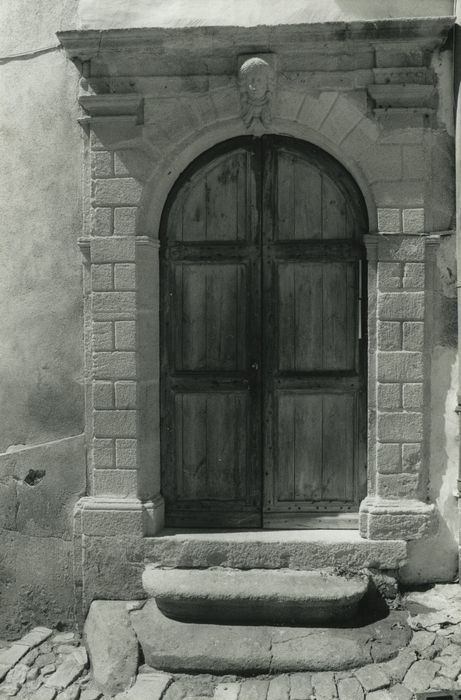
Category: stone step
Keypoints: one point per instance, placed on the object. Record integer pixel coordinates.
(273, 549)
(186, 647)
(255, 596)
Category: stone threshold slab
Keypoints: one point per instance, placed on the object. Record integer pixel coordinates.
(278, 596)
(273, 549)
(182, 647)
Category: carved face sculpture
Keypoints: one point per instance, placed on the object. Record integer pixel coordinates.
(255, 75)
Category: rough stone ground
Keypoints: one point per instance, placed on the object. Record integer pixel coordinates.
(47, 665)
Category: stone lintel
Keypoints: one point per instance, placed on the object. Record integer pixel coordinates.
(387, 518)
(403, 95)
(216, 40)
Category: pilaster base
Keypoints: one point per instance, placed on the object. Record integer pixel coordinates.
(388, 519)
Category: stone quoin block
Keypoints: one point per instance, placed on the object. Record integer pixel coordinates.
(113, 250)
(413, 220)
(102, 164)
(102, 221)
(125, 221)
(411, 457)
(414, 276)
(103, 453)
(389, 396)
(400, 427)
(389, 220)
(125, 394)
(125, 276)
(120, 168)
(125, 335)
(115, 423)
(404, 248)
(122, 191)
(114, 365)
(125, 453)
(114, 304)
(103, 395)
(102, 278)
(397, 485)
(389, 275)
(103, 336)
(413, 395)
(413, 335)
(388, 457)
(389, 335)
(114, 482)
(401, 306)
(400, 366)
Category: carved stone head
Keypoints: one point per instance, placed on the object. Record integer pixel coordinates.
(256, 83)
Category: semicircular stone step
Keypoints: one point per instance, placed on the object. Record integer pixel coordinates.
(281, 596)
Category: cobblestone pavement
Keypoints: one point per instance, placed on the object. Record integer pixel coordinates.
(47, 665)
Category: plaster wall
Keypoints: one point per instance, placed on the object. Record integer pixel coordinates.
(107, 14)
(41, 351)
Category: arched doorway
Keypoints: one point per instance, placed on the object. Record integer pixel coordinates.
(263, 339)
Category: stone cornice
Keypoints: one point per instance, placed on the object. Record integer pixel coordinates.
(215, 41)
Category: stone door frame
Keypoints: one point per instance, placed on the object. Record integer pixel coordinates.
(137, 146)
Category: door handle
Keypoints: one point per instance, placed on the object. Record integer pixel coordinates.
(255, 366)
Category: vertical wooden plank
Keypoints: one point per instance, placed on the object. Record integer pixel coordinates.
(194, 446)
(338, 441)
(175, 220)
(192, 344)
(193, 213)
(285, 448)
(339, 312)
(224, 431)
(307, 201)
(222, 199)
(286, 316)
(284, 219)
(308, 447)
(334, 210)
(308, 317)
(222, 317)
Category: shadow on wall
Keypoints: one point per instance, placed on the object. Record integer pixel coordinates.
(436, 558)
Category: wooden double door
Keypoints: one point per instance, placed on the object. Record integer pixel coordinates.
(263, 376)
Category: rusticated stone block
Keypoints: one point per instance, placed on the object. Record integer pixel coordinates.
(102, 221)
(401, 306)
(103, 454)
(411, 457)
(125, 276)
(413, 220)
(389, 335)
(102, 278)
(400, 366)
(122, 191)
(125, 221)
(115, 482)
(125, 453)
(413, 335)
(114, 304)
(389, 220)
(103, 395)
(389, 396)
(413, 395)
(112, 250)
(397, 485)
(119, 423)
(414, 275)
(389, 275)
(125, 395)
(102, 164)
(388, 457)
(400, 427)
(103, 334)
(114, 365)
(125, 335)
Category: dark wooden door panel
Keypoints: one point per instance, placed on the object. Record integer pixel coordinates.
(262, 361)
